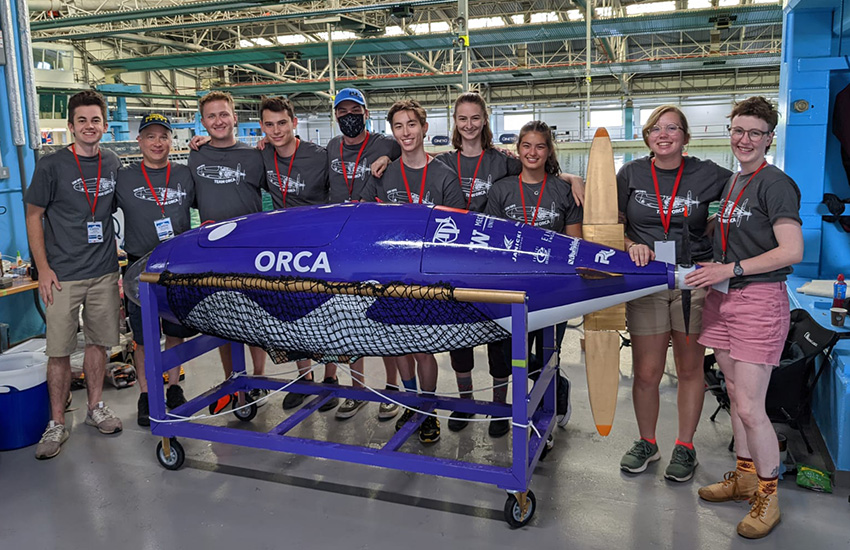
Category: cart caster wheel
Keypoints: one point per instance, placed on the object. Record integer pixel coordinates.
(513, 512)
(245, 414)
(173, 461)
(550, 444)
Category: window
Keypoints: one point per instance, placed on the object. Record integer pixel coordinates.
(52, 60)
(544, 17)
(608, 118)
(651, 7)
(513, 123)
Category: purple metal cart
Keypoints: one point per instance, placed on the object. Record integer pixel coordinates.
(536, 407)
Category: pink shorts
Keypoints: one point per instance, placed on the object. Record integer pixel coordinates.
(751, 322)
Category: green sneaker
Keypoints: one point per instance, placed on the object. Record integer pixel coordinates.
(682, 464)
(639, 456)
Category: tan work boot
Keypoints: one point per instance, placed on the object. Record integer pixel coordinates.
(735, 486)
(763, 517)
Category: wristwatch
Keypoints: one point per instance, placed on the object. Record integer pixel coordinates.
(738, 270)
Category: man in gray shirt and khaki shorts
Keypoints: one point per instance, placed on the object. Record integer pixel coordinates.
(69, 224)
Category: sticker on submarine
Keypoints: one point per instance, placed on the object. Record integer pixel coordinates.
(521, 244)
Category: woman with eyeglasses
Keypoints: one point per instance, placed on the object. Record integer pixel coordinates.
(655, 194)
(746, 315)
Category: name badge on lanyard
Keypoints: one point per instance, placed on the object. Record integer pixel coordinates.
(665, 251)
(95, 232)
(164, 230)
(722, 286)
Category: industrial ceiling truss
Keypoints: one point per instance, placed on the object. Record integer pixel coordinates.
(253, 47)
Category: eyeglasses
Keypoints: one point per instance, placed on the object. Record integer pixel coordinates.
(670, 129)
(755, 135)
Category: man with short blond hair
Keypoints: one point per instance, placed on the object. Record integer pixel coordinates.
(228, 176)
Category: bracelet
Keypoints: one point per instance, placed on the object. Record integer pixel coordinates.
(631, 245)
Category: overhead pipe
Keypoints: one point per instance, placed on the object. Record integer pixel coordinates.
(27, 66)
(88, 5)
(463, 37)
(587, 76)
(13, 90)
(332, 74)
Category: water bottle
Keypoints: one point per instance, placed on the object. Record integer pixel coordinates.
(839, 291)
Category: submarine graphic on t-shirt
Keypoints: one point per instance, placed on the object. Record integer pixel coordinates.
(480, 189)
(400, 196)
(165, 196)
(737, 215)
(545, 216)
(293, 185)
(107, 185)
(649, 200)
(360, 172)
(221, 175)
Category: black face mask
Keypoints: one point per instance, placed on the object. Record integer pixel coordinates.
(352, 124)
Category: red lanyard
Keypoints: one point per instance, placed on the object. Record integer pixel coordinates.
(356, 164)
(724, 235)
(153, 192)
(422, 186)
(665, 219)
(83, 179)
(540, 198)
(472, 181)
(284, 191)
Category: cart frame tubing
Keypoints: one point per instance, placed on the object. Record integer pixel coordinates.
(527, 444)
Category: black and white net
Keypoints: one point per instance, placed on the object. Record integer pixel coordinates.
(298, 318)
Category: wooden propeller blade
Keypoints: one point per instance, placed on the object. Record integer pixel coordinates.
(602, 344)
(603, 352)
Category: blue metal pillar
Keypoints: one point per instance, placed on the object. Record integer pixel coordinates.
(813, 71)
(18, 163)
(629, 120)
(804, 109)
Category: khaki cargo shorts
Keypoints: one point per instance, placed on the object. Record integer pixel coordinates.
(100, 301)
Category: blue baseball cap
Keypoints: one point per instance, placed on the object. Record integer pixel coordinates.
(349, 94)
(155, 118)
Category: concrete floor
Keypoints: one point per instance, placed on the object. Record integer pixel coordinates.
(110, 492)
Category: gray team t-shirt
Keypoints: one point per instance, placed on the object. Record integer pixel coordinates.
(557, 209)
(379, 145)
(440, 188)
(770, 196)
(58, 188)
(701, 184)
(495, 165)
(306, 183)
(140, 208)
(227, 181)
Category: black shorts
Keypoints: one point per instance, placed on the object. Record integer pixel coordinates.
(168, 328)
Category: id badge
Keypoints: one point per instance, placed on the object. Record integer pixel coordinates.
(95, 232)
(164, 231)
(722, 286)
(665, 251)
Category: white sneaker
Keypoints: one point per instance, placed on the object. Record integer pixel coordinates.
(102, 418)
(51, 441)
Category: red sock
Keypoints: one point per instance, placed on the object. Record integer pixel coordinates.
(649, 440)
(768, 485)
(683, 444)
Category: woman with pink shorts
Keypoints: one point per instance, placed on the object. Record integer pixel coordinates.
(746, 312)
